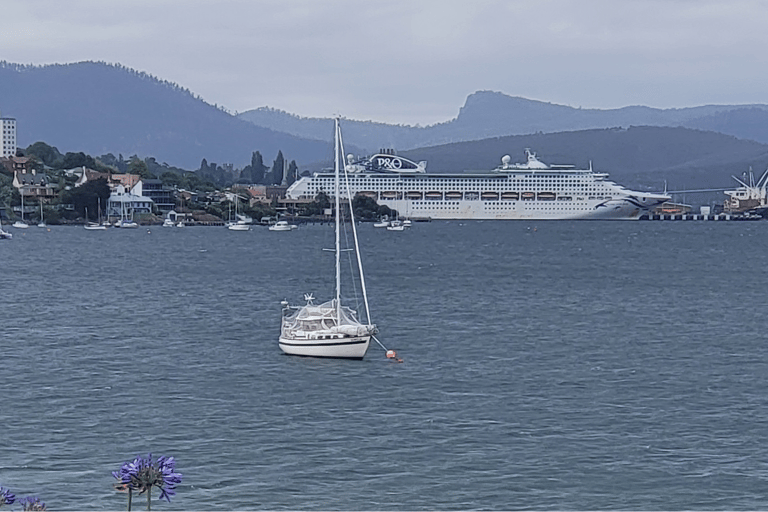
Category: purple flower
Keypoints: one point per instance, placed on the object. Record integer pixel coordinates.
(6, 498)
(31, 503)
(142, 474)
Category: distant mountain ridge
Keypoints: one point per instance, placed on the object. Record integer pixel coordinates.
(487, 114)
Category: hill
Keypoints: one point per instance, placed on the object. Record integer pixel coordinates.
(644, 158)
(487, 114)
(100, 108)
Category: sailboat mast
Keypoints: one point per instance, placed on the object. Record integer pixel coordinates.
(336, 195)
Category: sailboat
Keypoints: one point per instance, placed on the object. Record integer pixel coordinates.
(236, 225)
(20, 223)
(94, 226)
(124, 221)
(41, 224)
(329, 329)
(4, 235)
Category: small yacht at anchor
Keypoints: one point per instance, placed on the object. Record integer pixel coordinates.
(329, 329)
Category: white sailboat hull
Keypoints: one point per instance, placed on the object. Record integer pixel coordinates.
(347, 347)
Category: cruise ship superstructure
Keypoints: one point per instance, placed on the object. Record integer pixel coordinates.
(529, 191)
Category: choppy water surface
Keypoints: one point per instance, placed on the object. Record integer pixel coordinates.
(549, 366)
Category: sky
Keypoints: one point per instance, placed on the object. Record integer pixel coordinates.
(411, 61)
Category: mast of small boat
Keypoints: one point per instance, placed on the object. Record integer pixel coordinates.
(336, 194)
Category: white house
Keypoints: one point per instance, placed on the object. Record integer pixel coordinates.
(123, 204)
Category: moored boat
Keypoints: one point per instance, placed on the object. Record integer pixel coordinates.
(282, 225)
(329, 329)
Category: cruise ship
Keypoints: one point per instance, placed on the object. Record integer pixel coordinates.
(531, 190)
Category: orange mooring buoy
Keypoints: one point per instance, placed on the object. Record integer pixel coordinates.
(391, 354)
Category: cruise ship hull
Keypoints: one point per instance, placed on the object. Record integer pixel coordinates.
(517, 210)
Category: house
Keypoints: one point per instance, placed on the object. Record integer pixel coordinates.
(87, 175)
(17, 163)
(30, 182)
(161, 195)
(124, 203)
(113, 180)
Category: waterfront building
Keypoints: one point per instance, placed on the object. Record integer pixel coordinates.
(30, 182)
(161, 195)
(124, 203)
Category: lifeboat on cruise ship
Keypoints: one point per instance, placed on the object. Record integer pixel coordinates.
(369, 193)
(452, 196)
(414, 195)
(490, 196)
(391, 194)
(546, 196)
(528, 196)
(434, 196)
(471, 196)
(510, 196)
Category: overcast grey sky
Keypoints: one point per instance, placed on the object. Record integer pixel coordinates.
(411, 61)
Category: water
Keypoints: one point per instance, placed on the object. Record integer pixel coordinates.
(548, 366)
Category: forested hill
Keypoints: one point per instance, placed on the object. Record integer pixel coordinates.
(101, 108)
(488, 114)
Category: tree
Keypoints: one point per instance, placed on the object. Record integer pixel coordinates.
(366, 208)
(90, 195)
(293, 171)
(73, 160)
(278, 167)
(138, 166)
(48, 155)
(254, 172)
(316, 207)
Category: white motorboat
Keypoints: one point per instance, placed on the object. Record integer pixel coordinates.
(383, 222)
(282, 225)
(126, 223)
(238, 226)
(329, 329)
(168, 223)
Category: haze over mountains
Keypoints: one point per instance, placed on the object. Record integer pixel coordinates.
(493, 114)
(100, 108)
